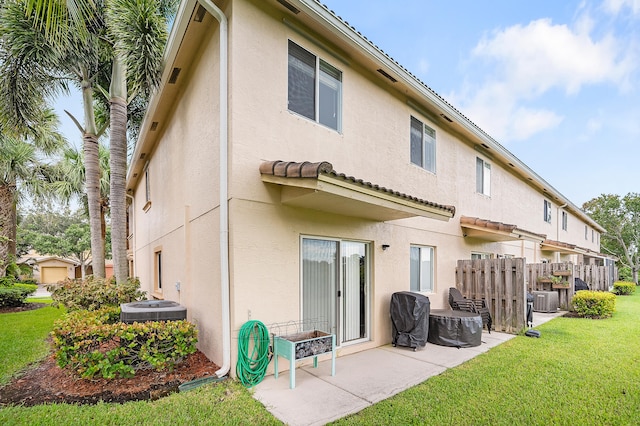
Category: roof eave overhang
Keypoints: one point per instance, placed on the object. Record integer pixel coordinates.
(334, 195)
(498, 235)
(566, 249)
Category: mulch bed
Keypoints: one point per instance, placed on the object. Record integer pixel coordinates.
(46, 382)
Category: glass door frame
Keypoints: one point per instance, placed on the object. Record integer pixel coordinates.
(339, 299)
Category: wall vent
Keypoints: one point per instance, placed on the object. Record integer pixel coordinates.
(384, 73)
(174, 75)
(144, 154)
(154, 126)
(199, 16)
(289, 6)
(446, 118)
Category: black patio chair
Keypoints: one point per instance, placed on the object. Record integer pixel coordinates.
(459, 303)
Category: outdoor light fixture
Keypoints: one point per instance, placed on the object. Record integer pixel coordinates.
(385, 246)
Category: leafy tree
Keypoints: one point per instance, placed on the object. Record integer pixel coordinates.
(38, 64)
(620, 216)
(23, 170)
(62, 234)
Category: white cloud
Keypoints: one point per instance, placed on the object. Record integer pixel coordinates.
(616, 6)
(523, 63)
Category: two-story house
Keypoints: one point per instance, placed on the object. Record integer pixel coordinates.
(289, 170)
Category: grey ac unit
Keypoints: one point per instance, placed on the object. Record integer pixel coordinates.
(152, 310)
(545, 301)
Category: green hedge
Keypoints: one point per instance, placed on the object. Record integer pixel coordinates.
(93, 343)
(624, 288)
(16, 294)
(94, 293)
(594, 304)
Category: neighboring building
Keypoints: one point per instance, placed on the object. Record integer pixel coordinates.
(49, 269)
(384, 185)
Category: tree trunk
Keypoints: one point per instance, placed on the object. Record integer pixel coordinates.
(92, 186)
(7, 204)
(118, 165)
(92, 177)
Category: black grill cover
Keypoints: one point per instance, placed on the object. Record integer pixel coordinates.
(409, 319)
(580, 285)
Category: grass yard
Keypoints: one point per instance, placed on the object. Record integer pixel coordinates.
(22, 337)
(581, 372)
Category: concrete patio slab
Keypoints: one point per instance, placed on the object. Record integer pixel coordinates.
(364, 378)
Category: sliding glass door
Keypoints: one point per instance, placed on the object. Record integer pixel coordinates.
(335, 287)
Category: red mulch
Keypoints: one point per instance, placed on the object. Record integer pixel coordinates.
(47, 383)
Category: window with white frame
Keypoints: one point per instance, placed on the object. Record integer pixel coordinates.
(586, 230)
(483, 177)
(564, 220)
(423, 145)
(315, 88)
(157, 273)
(593, 236)
(475, 256)
(421, 268)
(547, 211)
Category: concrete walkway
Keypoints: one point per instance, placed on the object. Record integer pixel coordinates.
(364, 378)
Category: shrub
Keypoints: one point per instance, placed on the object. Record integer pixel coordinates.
(94, 293)
(594, 304)
(623, 288)
(94, 343)
(15, 294)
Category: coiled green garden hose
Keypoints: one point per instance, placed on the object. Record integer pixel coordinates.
(253, 353)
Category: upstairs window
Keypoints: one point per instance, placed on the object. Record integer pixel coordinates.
(586, 230)
(547, 211)
(315, 88)
(564, 221)
(483, 177)
(423, 145)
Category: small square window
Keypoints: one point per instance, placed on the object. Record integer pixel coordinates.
(483, 177)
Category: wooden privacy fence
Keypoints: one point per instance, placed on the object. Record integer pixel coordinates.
(539, 278)
(501, 283)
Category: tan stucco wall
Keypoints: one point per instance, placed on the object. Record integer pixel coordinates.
(264, 234)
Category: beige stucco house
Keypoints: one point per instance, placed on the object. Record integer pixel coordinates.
(288, 169)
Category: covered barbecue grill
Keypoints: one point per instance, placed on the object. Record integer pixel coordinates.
(409, 319)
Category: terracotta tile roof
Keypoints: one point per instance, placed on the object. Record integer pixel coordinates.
(560, 244)
(305, 169)
(491, 225)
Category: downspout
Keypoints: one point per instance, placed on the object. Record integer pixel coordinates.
(217, 13)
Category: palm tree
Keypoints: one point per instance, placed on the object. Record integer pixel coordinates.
(136, 31)
(35, 63)
(70, 181)
(139, 32)
(23, 170)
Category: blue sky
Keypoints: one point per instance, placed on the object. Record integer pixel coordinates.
(556, 82)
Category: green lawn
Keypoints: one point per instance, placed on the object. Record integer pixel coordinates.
(579, 372)
(22, 337)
